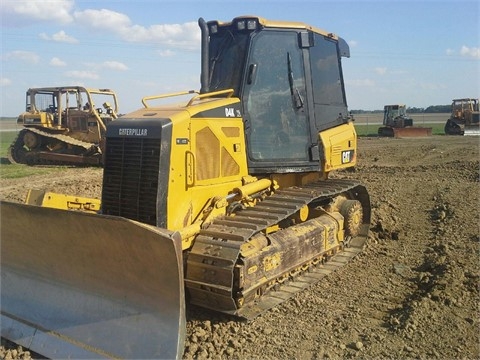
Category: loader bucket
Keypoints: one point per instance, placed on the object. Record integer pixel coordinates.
(82, 285)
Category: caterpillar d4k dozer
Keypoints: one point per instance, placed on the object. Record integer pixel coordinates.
(226, 196)
(464, 119)
(396, 123)
(61, 125)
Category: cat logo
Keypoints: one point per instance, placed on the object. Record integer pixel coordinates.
(347, 156)
(229, 112)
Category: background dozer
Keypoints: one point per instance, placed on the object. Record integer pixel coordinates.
(63, 125)
(226, 196)
(464, 119)
(396, 123)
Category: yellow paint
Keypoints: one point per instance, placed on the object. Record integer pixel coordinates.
(272, 229)
(302, 214)
(272, 262)
(62, 201)
(339, 147)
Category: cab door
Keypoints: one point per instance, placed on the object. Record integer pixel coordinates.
(274, 100)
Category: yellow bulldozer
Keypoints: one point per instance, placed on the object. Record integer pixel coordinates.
(224, 199)
(397, 124)
(464, 118)
(63, 125)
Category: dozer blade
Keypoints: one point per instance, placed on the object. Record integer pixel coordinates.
(80, 285)
(407, 132)
(471, 130)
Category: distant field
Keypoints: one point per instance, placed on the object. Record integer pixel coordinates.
(6, 138)
(13, 171)
(418, 119)
(365, 124)
(372, 129)
(8, 124)
(368, 124)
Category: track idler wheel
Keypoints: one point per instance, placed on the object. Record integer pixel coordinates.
(352, 211)
(17, 152)
(31, 140)
(452, 128)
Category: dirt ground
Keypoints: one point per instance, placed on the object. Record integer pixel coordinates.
(412, 294)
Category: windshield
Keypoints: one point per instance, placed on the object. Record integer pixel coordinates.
(41, 101)
(227, 57)
(401, 111)
(395, 111)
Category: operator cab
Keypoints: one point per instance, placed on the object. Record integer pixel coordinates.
(289, 79)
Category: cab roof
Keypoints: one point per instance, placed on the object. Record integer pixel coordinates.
(278, 24)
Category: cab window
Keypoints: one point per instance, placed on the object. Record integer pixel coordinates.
(274, 95)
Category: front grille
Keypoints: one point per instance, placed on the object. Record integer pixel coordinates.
(130, 179)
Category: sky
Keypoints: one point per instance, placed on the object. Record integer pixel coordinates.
(418, 53)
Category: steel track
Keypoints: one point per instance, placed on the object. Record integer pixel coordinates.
(210, 275)
(30, 157)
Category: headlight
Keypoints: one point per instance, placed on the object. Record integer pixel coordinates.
(247, 24)
(251, 24)
(241, 25)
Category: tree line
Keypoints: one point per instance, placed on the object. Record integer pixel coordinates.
(432, 109)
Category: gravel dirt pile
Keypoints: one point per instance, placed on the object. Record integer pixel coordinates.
(413, 292)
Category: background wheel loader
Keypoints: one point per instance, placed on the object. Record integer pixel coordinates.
(464, 119)
(226, 197)
(63, 125)
(396, 123)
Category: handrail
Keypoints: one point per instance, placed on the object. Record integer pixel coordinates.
(229, 93)
(210, 94)
(153, 97)
(190, 169)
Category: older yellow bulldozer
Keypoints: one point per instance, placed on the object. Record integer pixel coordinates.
(63, 125)
(464, 118)
(224, 199)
